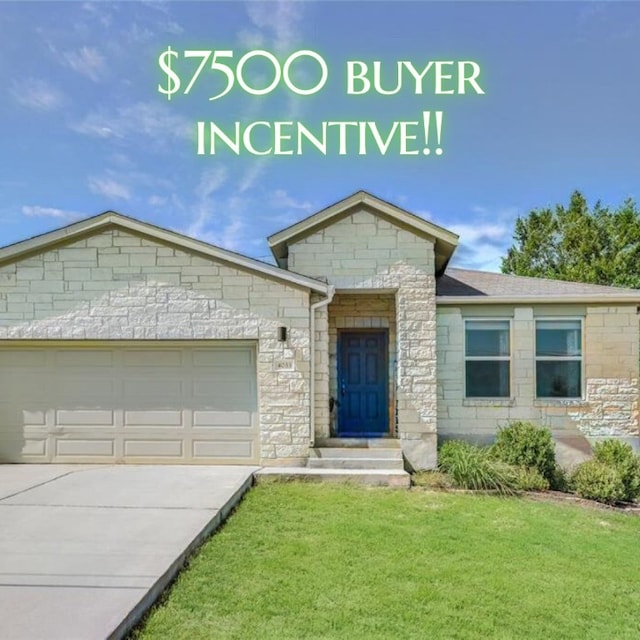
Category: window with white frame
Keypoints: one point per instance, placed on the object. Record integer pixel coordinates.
(487, 358)
(559, 358)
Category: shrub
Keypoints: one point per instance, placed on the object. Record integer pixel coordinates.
(472, 467)
(525, 444)
(599, 481)
(620, 456)
(530, 479)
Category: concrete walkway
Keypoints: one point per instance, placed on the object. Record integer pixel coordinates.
(84, 550)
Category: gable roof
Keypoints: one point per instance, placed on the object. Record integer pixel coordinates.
(110, 219)
(464, 286)
(445, 241)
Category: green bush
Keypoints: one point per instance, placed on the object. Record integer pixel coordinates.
(599, 481)
(472, 467)
(620, 456)
(530, 479)
(525, 444)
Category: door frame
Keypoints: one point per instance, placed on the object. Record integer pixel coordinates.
(384, 331)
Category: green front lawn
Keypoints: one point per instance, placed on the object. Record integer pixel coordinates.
(317, 561)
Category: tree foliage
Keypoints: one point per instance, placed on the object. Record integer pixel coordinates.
(598, 245)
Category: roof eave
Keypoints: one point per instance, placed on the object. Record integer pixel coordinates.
(84, 227)
(279, 242)
(557, 299)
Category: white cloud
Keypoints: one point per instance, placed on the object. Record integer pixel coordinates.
(86, 61)
(37, 94)
(35, 211)
(485, 239)
(280, 19)
(148, 120)
(280, 199)
(109, 188)
(157, 201)
(210, 181)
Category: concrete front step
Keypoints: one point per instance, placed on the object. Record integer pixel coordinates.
(355, 458)
(369, 477)
(355, 463)
(358, 443)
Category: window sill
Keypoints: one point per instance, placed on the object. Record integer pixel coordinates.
(558, 402)
(488, 402)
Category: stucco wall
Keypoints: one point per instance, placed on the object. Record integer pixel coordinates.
(119, 286)
(609, 406)
(367, 252)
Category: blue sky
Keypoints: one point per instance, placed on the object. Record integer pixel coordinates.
(84, 128)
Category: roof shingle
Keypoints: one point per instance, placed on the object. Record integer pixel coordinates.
(468, 283)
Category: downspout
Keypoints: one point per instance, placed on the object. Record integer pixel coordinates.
(312, 385)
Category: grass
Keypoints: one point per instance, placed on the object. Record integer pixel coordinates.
(317, 561)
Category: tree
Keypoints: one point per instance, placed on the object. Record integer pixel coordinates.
(598, 245)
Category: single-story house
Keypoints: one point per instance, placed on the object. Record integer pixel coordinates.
(124, 342)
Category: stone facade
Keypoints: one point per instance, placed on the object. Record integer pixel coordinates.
(365, 252)
(609, 406)
(129, 282)
(116, 285)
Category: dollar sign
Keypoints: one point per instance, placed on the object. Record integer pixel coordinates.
(173, 81)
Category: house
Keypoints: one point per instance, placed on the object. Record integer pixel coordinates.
(121, 341)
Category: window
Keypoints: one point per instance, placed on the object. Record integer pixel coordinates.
(487, 358)
(558, 358)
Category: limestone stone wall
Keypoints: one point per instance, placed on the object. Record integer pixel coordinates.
(119, 286)
(609, 406)
(365, 252)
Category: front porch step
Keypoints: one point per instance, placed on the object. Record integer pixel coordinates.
(358, 443)
(356, 458)
(369, 477)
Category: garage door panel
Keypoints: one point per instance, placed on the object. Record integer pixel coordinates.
(183, 403)
(85, 418)
(153, 418)
(232, 358)
(11, 359)
(153, 387)
(84, 358)
(85, 448)
(222, 419)
(222, 449)
(10, 414)
(157, 358)
(83, 390)
(154, 448)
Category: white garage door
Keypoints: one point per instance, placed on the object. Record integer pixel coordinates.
(129, 403)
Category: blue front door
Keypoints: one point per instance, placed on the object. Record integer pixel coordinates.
(363, 389)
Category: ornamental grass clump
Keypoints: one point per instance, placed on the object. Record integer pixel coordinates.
(471, 467)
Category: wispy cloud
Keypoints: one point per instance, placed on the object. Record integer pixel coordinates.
(38, 94)
(280, 199)
(280, 20)
(109, 188)
(155, 122)
(210, 181)
(485, 240)
(86, 61)
(35, 211)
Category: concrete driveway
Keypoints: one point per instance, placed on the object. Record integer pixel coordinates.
(85, 549)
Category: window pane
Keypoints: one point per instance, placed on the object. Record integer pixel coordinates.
(558, 379)
(487, 379)
(558, 338)
(487, 338)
